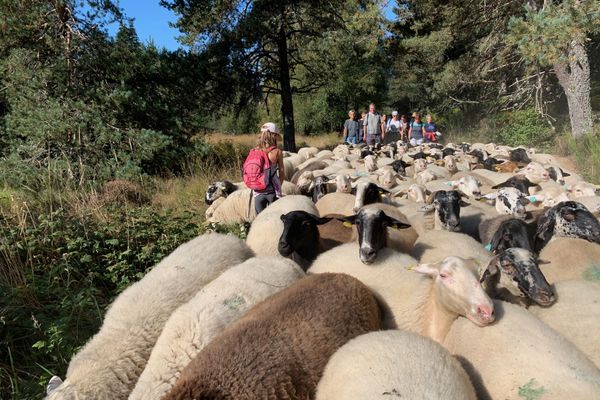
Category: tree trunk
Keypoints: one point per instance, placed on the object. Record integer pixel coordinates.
(574, 77)
(287, 106)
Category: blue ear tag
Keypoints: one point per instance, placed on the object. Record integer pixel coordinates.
(532, 199)
(488, 247)
(449, 183)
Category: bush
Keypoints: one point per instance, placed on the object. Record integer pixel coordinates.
(523, 128)
(58, 274)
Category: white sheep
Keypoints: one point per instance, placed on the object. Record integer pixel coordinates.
(308, 152)
(437, 245)
(213, 308)
(575, 315)
(521, 357)
(336, 203)
(109, 365)
(410, 300)
(565, 259)
(581, 189)
(237, 207)
(393, 364)
(266, 229)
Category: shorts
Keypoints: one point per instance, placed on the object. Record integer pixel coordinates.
(416, 142)
(352, 140)
(373, 139)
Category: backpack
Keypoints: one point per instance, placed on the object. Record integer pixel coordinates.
(256, 172)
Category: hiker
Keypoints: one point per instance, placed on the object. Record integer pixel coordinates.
(263, 169)
(392, 132)
(430, 129)
(372, 127)
(351, 129)
(403, 128)
(361, 127)
(416, 132)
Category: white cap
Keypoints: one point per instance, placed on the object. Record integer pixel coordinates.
(394, 113)
(269, 126)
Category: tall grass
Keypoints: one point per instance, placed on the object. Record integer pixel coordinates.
(585, 152)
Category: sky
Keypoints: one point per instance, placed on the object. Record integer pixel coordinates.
(151, 22)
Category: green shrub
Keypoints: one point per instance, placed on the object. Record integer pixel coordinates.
(523, 128)
(58, 274)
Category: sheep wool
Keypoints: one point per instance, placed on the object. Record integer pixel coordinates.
(279, 349)
(193, 325)
(266, 229)
(565, 259)
(575, 315)
(437, 245)
(109, 365)
(394, 364)
(336, 203)
(235, 208)
(519, 356)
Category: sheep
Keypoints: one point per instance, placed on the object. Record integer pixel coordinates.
(194, 324)
(450, 164)
(575, 315)
(581, 189)
(519, 155)
(336, 203)
(237, 207)
(410, 300)
(446, 205)
(565, 259)
(367, 192)
(567, 219)
(279, 349)
(514, 276)
(423, 177)
(319, 188)
(394, 363)
(557, 174)
(210, 211)
(388, 178)
(468, 185)
(505, 231)
(519, 182)
(300, 239)
(509, 201)
(343, 184)
(487, 178)
(592, 203)
(374, 225)
(219, 189)
(436, 245)
(521, 357)
(308, 152)
(266, 229)
(507, 166)
(110, 363)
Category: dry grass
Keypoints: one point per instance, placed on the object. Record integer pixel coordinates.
(320, 141)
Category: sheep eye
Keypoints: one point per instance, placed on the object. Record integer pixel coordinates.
(443, 275)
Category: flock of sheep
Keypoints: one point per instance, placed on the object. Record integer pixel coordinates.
(456, 272)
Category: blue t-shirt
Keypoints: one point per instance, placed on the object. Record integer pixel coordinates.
(430, 127)
(417, 130)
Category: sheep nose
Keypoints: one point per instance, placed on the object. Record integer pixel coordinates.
(367, 256)
(486, 312)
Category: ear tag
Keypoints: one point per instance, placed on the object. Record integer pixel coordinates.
(411, 267)
(532, 199)
(449, 183)
(382, 196)
(348, 224)
(488, 247)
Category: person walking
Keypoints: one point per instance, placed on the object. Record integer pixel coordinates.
(416, 132)
(392, 131)
(430, 129)
(351, 129)
(403, 128)
(263, 170)
(361, 130)
(372, 127)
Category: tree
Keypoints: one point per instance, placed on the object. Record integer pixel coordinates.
(554, 33)
(266, 39)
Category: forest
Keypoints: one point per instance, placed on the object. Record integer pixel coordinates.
(107, 143)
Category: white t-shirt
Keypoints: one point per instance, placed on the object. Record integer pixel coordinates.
(396, 124)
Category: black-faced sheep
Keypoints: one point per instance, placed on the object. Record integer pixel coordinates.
(194, 324)
(505, 231)
(280, 348)
(109, 365)
(567, 219)
(394, 364)
(300, 239)
(446, 205)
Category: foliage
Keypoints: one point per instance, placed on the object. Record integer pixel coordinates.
(523, 128)
(59, 272)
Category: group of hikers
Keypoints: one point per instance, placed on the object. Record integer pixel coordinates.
(264, 172)
(373, 128)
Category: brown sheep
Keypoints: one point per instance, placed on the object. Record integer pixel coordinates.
(280, 348)
(508, 166)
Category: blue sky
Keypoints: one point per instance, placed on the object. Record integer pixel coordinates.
(151, 21)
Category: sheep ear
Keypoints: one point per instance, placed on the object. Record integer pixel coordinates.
(427, 208)
(396, 224)
(463, 203)
(432, 269)
(489, 271)
(565, 173)
(321, 221)
(53, 384)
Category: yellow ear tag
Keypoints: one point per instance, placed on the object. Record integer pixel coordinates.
(411, 267)
(348, 224)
